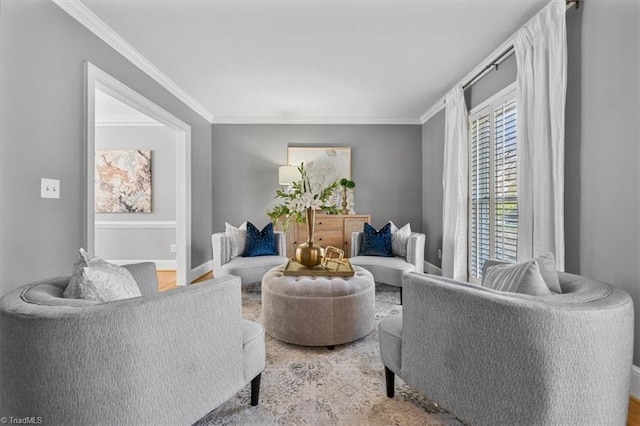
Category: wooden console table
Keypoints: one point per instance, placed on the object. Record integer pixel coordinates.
(330, 230)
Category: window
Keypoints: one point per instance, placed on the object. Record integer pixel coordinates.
(493, 194)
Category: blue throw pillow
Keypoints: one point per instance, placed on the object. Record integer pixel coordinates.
(260, 243)
(376, 243)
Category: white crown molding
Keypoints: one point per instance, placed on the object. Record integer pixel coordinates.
(435, 108)
(130, 224)
(481, 66)
(126, 123)
(93, 23)
(125, 120)
(238, 119)
(82, 14)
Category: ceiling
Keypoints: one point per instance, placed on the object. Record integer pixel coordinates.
(109, 109)
(315, 61)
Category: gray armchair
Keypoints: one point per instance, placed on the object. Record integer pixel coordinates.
(389, 270)
(249, 269)
(163, 358)
(503, 358)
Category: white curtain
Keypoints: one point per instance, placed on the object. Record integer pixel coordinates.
(455, 183)
(541, 57)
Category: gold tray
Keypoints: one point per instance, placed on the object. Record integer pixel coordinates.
(295, 269)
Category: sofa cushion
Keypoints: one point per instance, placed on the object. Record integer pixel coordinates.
(395, 263)
(390, 337)
(253, 349)
(400, 239)
(376, 243)
(388, 270)
(146, 276)
(260, 243)
(96, 279)
(521, 277)
(238, 238)
(240, 264)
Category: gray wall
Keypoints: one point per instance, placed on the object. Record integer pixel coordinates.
(432, 163)
(385, 164)
(144, 243)
(42, 77)
(139, 244)
(602, 182)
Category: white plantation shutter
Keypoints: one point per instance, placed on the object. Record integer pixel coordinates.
(505, 183)
(480, 214)
(493, 196)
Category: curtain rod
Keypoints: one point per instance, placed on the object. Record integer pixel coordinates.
(504, 55)
(501, 53)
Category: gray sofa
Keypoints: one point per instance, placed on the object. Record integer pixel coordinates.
(496, 358)
(163, 358)
(389, 270)
(249, 269)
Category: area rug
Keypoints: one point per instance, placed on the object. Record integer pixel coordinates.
(317, 386)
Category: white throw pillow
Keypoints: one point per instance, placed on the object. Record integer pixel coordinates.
(238, 238)
(547, 264)
(96, 279)
(522, 277)
(400, 239)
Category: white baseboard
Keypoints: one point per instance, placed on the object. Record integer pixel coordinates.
(432, 269)
(199, 271)
(160, 264)
(635, 382)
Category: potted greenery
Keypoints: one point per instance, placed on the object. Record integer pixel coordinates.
(346, 184)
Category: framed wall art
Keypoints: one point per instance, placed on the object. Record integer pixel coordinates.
(337, 157)
(123, 181)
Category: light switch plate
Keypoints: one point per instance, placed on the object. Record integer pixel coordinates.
(49, 188)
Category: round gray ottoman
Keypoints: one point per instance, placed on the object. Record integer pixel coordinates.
(318, 311)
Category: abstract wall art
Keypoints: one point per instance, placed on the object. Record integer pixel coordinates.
(336, 158)
(123, 181)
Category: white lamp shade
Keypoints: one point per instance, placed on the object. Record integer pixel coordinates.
(288, 174)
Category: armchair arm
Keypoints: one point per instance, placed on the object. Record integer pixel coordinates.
(221, 250)
(356, 243)
(415, 248)
(281, 242)
(146, 277)
(415, 251)
(122, 354)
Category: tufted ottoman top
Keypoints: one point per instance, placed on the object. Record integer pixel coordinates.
(318, 311)
(322, 286)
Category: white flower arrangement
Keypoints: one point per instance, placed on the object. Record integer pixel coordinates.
(314, 190)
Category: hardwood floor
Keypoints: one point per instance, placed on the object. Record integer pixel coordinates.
(167, 281)
(633, 419)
